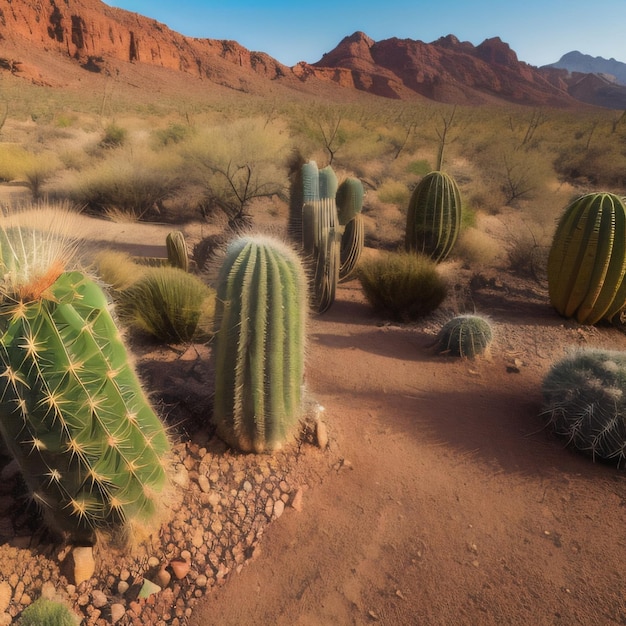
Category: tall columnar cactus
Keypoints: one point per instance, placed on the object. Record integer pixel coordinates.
(349, 205)
(434, 216)
(587, 260)
(72, 411)
(259, 345)
(465, 336)
(585, 402)
(177, 254)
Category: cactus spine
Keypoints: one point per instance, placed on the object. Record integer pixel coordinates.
(587, 260)
(434, 216)
(465, 336)
(72, 411)
(259, 346)
(585, 402)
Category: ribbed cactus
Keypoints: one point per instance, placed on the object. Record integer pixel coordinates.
(465, 336)
(587, 260)
(585, 402)
(177, 254)
(259, 344)
(434, 216)
(72, 411)
(349, 201)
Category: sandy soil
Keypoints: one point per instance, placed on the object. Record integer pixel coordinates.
(441, 499)
(452, 505)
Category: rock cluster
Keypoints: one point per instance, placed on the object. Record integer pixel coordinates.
(226, 501)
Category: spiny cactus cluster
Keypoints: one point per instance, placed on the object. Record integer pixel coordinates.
(585, 402)
(325, 218)
(259, 345)
(72, 410)
(434, 216)
(465, 336)
(587, 260)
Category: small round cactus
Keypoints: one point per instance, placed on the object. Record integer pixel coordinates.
(465, 335)
(585, 402)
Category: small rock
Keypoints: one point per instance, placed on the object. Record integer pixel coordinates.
(321, 434)
(98, 598)
(204, 483)
(122, 587)
(296, 502)
(5, 595)
(180, 568)
(163, 578)
(153, 561)
(181, 476)
(117, 612)
(201, 581)
(279, 507)
(247, 486)
(84, 563)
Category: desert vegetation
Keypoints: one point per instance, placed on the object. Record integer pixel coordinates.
(398, 196)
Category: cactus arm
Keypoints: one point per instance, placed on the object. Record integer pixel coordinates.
(177, 255)
(349, 200)
(352, 243)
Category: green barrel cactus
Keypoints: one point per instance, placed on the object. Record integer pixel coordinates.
(72, 410)
(465, 336)
(587, 260)
(259, 344)
(349, 201)
(585, 402)
(177, 255)
(434, 216)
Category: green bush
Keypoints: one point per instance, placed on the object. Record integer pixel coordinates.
(44, 612)
(404, 286)
(169, 304)
(114, 136)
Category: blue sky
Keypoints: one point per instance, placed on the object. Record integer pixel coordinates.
(539, 31)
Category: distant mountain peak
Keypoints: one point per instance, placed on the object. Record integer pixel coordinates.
(576, 61)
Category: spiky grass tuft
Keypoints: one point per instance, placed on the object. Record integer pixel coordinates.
(401, 285)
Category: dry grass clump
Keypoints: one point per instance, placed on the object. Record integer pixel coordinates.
(402, 285)
(169, 304)
(117, 269)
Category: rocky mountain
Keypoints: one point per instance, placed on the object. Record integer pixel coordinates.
(63, 42)
(610, 69)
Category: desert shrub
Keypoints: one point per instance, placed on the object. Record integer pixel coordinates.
(44, 612)
(420, 167)
(394, 192)
(131, 182)
(114, 136)
(585, 402)
(465, 336)
(476, 248)
(169, 304)
(404, 286)
(599, 166)
(13, 160)
(174, 133)
(116, 269)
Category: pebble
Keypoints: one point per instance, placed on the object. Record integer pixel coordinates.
(5, 595)
(98, 598)
(122, 587)
(180, 568)
(117, 612)
(163, 577)
(148, 589)
(279, 507)
(153, 561)
(204, 483)
(296, 502)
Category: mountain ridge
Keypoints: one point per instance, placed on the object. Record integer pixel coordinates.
(61, 42)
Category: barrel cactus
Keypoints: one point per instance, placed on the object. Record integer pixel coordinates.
(585, 402)
(434, 216)
(465, 336)
(72, 410)
(177, 254)
(349, 202)
(259, 344)
(587, 260)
